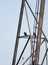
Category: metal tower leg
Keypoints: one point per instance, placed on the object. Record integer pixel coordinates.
(39, 31)
(18, 32)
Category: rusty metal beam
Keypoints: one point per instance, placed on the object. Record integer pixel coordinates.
(18, 32)
(42, 5)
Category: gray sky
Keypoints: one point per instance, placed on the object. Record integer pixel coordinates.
(9, 16)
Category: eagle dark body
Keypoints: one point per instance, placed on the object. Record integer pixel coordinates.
(25, 33)
(34, 34)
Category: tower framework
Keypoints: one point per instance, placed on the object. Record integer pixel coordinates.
(36, 40)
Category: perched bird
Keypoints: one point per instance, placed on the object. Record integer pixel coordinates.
(34, 34)
(32, 62)
(25, 33)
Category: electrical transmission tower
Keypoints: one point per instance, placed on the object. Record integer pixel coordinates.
(38, 37)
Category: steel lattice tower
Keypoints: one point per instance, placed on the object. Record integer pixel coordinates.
(36, 39)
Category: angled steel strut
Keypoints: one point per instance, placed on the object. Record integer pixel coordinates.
(18, 32)
(23, 51)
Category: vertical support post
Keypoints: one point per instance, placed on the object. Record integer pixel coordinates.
(39, 31)
(18, 32)
(35, 29)
(47, 56)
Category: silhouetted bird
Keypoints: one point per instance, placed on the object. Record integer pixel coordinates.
(33, 62)
(25, 33)
(34, 34)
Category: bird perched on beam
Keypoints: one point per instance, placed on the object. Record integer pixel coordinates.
(32, 62)
(25, 33)
(34, 34)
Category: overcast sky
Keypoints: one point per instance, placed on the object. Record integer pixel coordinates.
(9, 17)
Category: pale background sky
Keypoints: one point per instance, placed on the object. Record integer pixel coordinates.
(9, 16)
